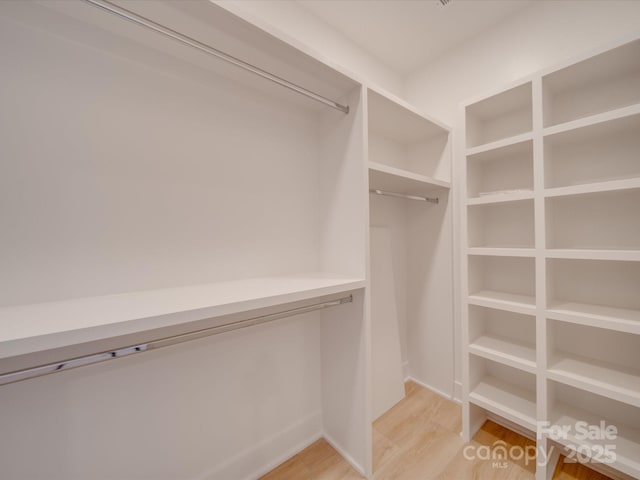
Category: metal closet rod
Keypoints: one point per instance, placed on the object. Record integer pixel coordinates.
(434, 200)
(163, 342)
(167, 32)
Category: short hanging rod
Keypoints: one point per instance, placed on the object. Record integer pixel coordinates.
(167, 32)
(434, 200)
(163, 342)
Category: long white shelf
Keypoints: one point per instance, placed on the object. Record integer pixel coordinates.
(619, 319)
(31, 329)
(593, 254)
(503, 301)
(501, 198)
(627, 442)
(505, 142)
(509, 401)
(385, 177)
(597, 377)
(593, 120)
(597, 187)
(502, 251)
(506, 351)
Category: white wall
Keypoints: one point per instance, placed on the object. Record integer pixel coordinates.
(546, 33)
(301, 28)
(537, 37)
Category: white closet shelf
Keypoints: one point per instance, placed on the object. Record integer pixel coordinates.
(385, 177)
(29, 329)
(506, 351)
(597, 377)
(609, 186)
(502, 251)
(503, 301)
(593, 120)
(501, 198)
(509, 401)
(505, 142)
(591, 254)
(619, 319)
(627, 441)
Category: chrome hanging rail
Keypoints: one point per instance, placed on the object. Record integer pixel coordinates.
(167, 32)
(163, 342)
(434, 200)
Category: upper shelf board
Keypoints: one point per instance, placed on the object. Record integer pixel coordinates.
(384, 177)
(397, 121)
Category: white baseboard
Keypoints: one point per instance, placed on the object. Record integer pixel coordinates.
(258, 460)
(358, 468)
(429, 387)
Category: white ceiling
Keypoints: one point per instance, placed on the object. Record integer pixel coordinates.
(406, 34)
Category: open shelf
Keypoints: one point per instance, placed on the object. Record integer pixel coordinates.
(504, 337)
(384, 177)
(604, 220)
(586, 254)
(571, 406)
(30, 329)
(501, 225)
(598, 282)
(506, 351)
(499, 117)
(601, 83)
(619, 319)
(604, 362)
(501, 173)
(597, 292)
(505, 391)
(610, 186)
(602, 155)
(597, 377)
(503, 282)
(504, 301)
(402, 138)
(498, 145)
(504, 196)
(502, 252)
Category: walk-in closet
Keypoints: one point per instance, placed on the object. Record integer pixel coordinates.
(307, 239)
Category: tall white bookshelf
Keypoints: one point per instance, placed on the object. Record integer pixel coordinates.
(551, 257)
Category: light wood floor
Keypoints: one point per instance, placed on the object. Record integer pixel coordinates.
(419, 439)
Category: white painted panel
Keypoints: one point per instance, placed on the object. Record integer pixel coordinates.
(388, 382)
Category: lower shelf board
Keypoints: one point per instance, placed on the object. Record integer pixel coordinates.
(506, 351)
(502, 398)
(503, 301)
(619, 319)
(597, 377)
(627, 441)
(54, 331)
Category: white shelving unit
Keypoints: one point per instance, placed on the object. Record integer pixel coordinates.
(409, 153)
(551, 260)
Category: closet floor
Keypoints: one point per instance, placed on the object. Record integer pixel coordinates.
(419, 439)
